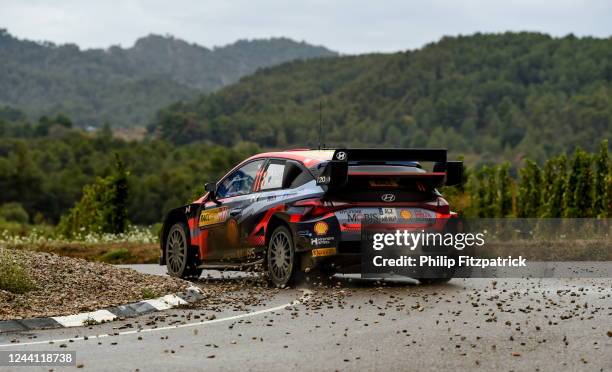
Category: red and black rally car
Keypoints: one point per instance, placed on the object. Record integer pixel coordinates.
(299, 210)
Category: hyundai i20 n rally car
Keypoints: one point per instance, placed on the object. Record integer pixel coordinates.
(300, 210)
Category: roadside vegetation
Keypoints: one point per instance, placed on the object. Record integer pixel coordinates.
(560, 187)
(37, 284)
(13, 276)
(100, 226)
(136, 245)
(46, 174)
(148, 293)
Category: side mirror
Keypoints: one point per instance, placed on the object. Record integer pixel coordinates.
(211, 189)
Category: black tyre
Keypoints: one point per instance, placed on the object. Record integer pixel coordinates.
(180, 260)
(281, 259)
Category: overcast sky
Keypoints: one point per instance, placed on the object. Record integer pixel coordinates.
(343, 25)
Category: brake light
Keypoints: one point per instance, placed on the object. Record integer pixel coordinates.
(317, 207)
(440, 205)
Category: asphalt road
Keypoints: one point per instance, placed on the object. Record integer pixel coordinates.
(467, 324)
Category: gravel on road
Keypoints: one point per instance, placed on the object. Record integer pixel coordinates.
(64, 285)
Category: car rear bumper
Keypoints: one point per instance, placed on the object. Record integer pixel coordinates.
(338, 246)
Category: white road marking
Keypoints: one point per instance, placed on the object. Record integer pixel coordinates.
(306, 294)
(166, 302)
(79, 319)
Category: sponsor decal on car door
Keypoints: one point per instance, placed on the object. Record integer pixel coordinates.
(222, 219)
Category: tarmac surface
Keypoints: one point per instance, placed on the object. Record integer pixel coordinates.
(467, 324)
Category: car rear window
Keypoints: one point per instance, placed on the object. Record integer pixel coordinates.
(273, 176)
(284, 174)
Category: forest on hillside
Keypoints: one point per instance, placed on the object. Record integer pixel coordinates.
(48, 166)
(126, 86)
(526, 111)
(45, 169)
(485, 96)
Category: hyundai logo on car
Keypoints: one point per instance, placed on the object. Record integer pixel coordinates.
(388, 198)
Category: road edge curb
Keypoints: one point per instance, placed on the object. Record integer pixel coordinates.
(108, 314)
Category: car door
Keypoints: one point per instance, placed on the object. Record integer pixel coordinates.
(266, 197)
(274, 188)
(222, 218)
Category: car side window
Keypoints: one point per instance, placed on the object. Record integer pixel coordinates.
(302, 178)
(273, 176)
(295, 175)
(240, 182)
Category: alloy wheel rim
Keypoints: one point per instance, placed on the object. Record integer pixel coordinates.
(280, 256)
(176, 251)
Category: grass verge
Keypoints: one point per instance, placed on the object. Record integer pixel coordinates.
(113, 253)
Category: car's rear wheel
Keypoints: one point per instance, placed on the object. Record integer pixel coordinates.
(281, 260)
(180, 261)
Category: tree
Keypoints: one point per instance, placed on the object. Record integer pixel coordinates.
(492, 192)
(602, 174)
(117, 213)
(555, 173)
(505, 190)
(480, 194)
(609, 194)
(529, 190)
(578, 194)
(103, 207)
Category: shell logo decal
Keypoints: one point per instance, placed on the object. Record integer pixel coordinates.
(405, 213)
(321, 228)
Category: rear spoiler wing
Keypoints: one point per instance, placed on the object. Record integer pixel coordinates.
(445, 173)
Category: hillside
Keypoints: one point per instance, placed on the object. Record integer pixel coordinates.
(491, 95)
(125, 87)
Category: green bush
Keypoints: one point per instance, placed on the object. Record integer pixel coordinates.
(13, 228)
(13, 276)
(156, 229)
(115, 255)
(14, 212)
(148, 294)
(103, 207)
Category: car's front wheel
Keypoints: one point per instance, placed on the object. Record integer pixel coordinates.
(281, 259)
(179, 259)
